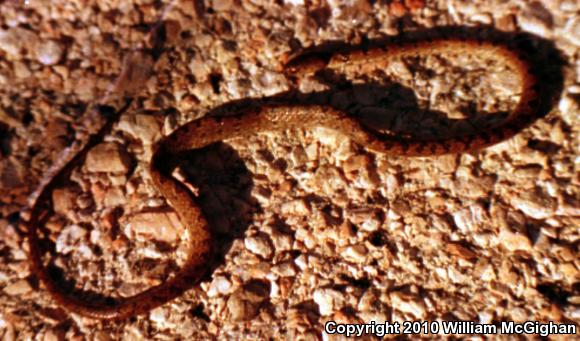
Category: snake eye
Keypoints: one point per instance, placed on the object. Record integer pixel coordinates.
(307, 64)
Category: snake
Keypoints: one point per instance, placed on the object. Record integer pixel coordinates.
(207, 130)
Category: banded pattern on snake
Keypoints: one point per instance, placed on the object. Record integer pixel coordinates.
(200, 133)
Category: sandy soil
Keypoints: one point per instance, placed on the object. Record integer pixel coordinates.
(310, 226)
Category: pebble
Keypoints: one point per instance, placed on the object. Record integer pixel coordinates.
(569, 5)
(259, 245)
(297, 207)
(408, 303)
(14, 41)
(514, 241)
(468, 219)
(219, 286)
(161, 317)
(18, 288)
(368, 219)
(161, 226)
(328, 300)
(114, 196)
(285, 269)
(9, 120)
(108, 157)
(535, 204)
(67, 239)
(573, 30)
(356, 253)
(536, 19)
(244, 305)
(12, 174)
(482, 18)
(143, 127)
(459, 250)
(49, 52)
(223, 5)
(21, 70)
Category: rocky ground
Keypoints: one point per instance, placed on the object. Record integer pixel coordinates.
(310, 226)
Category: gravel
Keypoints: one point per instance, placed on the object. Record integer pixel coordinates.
(310, 226)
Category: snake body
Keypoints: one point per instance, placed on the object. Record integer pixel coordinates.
(200, 133)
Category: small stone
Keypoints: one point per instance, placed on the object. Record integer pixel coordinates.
(143, 127)
(49, 52)
(415, 5)
(397, 9)
(297, 207)
(15, 40)
(570, 272)
(356, 253)
(356, 163)
(535, 18)
(161, 317)
(12, 174)
(409, 304)
(468, 219)
(9, 120)
(455, 275)
(17, 288)
(569, 206)
(245, 303)
(222, 5)
(219, 286)
(573, 30)
(368, 219)
(482, 18)
(65, 243)
(535, 204)
(161, 226)
(327, 300)
(100, 336)
(286, 269)
(506, 23)
(114, 197)
(108, 157)
(514, 241)
(259, 245)
(459, 250)
(64, 200)
(54, 334)
(21, 70)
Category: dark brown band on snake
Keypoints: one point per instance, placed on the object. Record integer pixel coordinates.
(200, 133)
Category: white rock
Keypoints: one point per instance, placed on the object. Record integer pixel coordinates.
(219, 286)
(161, 317)
(573, 30)
(66, 241)
(294, 2)
(536, 19)
(408, 304)
(356, 253)
(326, 299)
(49, 52)
(144, 127)
(286, 269)
(259, 245)
(535, 204)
